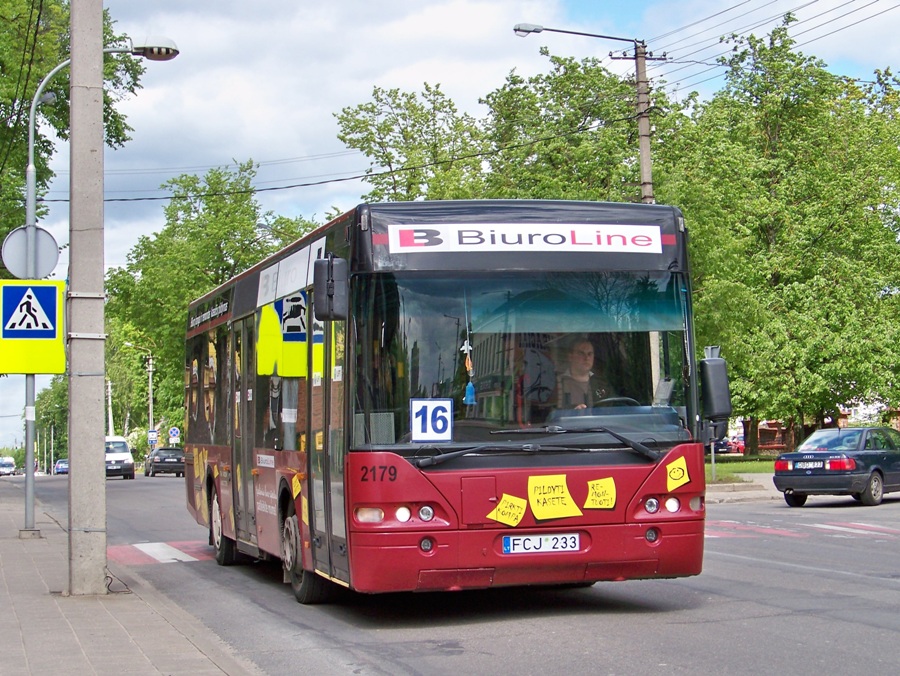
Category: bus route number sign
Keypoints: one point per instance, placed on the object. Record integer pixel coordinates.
(431, 419)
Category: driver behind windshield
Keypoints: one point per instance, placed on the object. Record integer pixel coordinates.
(579, 387)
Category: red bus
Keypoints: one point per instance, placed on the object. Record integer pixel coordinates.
(456, 395)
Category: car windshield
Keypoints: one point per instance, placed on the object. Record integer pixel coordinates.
(830, 440)
(116, 447)
(7, 463)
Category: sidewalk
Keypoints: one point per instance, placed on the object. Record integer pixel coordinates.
(133, 629)
(755, 487)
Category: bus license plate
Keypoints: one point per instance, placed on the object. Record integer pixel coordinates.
(540, 544)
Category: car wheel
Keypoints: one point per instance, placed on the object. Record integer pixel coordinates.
(224, 546)
(795, 499)
(874, 491)
(308, 587)
(152, 472)
(856, 496)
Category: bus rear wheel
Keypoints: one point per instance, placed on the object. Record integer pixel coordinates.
(224, 545)
(308, 587)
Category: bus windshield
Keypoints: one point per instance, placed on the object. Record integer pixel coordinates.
(520, 351)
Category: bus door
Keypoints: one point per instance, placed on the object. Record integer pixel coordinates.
(242, 451)
(327, 450)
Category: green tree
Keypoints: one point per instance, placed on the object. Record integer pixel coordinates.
(215, 229)
(419, 146)
(570, 133)
(52, 413)
(35, 40)
(787, 179)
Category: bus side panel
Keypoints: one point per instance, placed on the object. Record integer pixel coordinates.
(201, 462)
(274, 468)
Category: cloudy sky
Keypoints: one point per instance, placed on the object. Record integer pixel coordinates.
(262, 80)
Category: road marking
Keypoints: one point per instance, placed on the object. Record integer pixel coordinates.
(145, 553)
(843, 529)
(164, 553)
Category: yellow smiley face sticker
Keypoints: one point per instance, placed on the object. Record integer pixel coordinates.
(677, 474)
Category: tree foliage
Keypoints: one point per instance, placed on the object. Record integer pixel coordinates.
(419, 146)
(787, 177)
(215, 229)
(34, 41)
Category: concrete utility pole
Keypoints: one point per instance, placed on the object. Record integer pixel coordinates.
(643, 97)
(86, 297)
(87, 469)
(643, 111)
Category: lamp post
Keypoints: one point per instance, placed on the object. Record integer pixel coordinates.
(156, 49)
(149, 382)
(643, 98)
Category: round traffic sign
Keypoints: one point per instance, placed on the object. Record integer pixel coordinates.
(174, 432)
(15, 252)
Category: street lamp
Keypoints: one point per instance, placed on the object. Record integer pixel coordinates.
(643, 98)
(154, 49)
(149, 380)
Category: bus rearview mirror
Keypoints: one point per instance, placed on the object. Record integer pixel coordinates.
(330, 289)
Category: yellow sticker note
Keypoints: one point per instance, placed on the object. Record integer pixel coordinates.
(601, 494)
(510, 510)
(549, 497)
(677, 474)
(295, 486)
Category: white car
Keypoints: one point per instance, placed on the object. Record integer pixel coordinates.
(119, 460)
(7, 466)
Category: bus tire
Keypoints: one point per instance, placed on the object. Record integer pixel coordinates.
(308, 587)
(224, 546)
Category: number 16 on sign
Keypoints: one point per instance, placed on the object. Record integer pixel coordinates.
(431, 419)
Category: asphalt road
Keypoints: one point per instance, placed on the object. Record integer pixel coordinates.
(807, 591)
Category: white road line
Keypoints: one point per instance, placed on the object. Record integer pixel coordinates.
(840, 529)
(164, 553)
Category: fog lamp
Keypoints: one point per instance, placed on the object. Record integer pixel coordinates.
(426, 513)
(426, 545)
(673, 505)
(403, 514)
(652, 535)
(651, 505)
(369, 515)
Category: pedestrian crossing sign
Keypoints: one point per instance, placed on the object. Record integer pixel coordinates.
(31, 326)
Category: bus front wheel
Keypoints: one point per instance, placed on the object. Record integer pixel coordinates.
(308, 587)
(224, 545)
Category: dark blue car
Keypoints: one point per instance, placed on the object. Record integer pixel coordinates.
(863, 462)
(61, 466)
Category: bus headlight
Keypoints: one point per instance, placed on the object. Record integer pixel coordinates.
(426, 513)
(673, 505)
(651, 505)
(403, 514)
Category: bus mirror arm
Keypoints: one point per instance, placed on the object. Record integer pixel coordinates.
(330, 288)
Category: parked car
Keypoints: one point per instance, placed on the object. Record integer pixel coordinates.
(719, 446)
(736, 444)
(119, 460)
(165, 460)
(863, 462)
(61, 466)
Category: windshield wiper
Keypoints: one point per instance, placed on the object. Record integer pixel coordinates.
(524, 448)
(556, 429)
